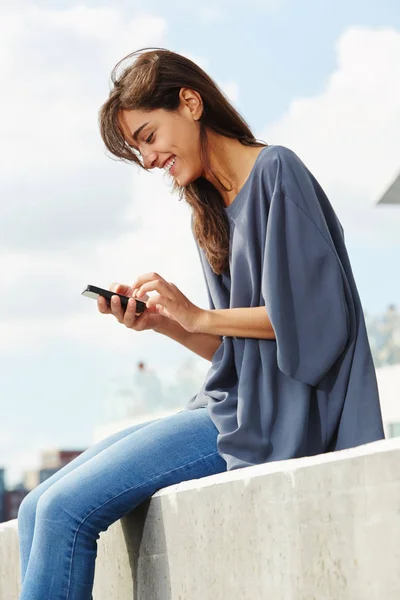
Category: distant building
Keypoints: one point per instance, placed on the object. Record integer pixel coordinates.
(137, 394)
(384, 336)
(392, 194)
(13, 499)
(46, 474)
(52, 461)
(30, 479)
(2, 496)
(387, 350)
(388, 378)
(56, 459)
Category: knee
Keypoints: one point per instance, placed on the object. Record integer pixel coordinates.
(56, 504)
(63, 508)
(27, 508)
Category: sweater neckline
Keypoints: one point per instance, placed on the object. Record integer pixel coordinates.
(232, 207)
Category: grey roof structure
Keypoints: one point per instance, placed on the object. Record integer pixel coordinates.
(392, 194)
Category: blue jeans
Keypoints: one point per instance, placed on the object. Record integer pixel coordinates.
(59, 521)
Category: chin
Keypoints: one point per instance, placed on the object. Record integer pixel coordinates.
(185, 176)
(183, 181)
(188, 179)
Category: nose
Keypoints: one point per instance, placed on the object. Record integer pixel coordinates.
(149, 160)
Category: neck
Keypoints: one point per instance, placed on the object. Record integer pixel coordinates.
(232, 162)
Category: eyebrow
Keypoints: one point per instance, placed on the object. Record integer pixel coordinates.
(136, 133)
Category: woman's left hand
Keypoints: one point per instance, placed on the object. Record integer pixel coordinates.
(169, 301)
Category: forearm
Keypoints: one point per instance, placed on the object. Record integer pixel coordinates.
(203, 344)
(237, 322)
(213, 324)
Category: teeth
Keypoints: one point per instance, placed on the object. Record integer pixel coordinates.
(170, 164)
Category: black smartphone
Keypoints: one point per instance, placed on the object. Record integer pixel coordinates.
(94, 292)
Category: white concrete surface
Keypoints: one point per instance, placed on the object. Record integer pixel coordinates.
(318, 528)
(9, 561)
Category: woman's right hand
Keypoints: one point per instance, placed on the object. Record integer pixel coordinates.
(149, 319)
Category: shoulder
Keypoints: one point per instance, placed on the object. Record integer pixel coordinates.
(276, 157)
(281, 167)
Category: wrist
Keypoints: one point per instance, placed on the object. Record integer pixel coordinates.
(171, 328)
(163, 327)
(204, 322)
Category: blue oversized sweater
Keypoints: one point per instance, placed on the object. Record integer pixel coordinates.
(312, 389)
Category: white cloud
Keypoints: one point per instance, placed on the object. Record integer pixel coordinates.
(348, 134)
(54, 187)
(52, 306)
(231, 89)
(130, 223)
(96, 23)
(71, 215)
(60, 62)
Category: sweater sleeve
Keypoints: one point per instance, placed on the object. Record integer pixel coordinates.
(303, 280)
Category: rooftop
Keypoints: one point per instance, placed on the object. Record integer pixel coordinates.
(392, 194)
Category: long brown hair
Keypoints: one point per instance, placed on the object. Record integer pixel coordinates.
(153, 81)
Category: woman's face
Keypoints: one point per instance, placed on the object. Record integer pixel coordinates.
(162, 137)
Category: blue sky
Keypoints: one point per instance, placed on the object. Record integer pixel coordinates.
(320, 77)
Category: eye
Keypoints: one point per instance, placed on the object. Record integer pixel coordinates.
(149, 139)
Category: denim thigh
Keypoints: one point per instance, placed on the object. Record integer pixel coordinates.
(111, 483)
(73, 511)
(30, 501)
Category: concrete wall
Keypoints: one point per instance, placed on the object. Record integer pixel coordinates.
(320, 528)
(9, 561)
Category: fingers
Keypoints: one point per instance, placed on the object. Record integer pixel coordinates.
(157, 285)
(102, 305)
(120, 288)
(146, 278)
(130, 316)
(116, 308)
(126, 316)
(142, 297)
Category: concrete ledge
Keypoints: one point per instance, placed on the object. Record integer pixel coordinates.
(317, 528)
(9, 561)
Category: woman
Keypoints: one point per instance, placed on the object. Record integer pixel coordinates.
(291, 370)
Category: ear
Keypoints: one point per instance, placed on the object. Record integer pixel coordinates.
(192, 100)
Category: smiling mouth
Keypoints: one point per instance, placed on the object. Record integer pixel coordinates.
(170, 164)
